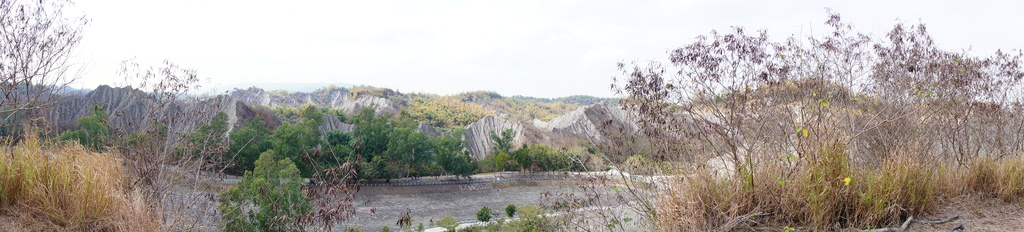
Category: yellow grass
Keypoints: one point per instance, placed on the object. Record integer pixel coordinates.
(815, 193)
(67, 187)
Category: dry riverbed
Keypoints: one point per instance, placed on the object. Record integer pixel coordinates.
(382, 206)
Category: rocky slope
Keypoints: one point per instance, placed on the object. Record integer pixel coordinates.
(131, 109)
(478, 135)
(593, 122)
(333, 98)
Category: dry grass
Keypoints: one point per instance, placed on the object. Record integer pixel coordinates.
(815, 194)
(845, 131)
(66, 187)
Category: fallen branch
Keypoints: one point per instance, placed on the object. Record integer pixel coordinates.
(911, 219)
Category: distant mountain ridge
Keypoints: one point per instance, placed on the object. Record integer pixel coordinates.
(291, 87)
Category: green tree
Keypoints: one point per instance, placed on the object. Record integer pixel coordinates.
(301, 140)
(379, 167)
(410, 149)
(371, 134)
(503, 143)
(484, 214)
(313, 115)
(294, 141)
(525, 158)
(370, 138)
(207, 141)
(269, 198)
(247, 143)
(338, 137)
(93, 131)
(501, 161)
(541, 157)
(339, 143)
(450, 155)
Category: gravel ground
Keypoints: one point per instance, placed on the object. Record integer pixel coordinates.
(382, 206)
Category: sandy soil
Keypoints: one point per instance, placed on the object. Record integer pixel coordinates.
(976, 214)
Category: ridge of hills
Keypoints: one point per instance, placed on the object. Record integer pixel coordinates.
(558, 122)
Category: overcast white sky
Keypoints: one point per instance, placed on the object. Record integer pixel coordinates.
(533, 48)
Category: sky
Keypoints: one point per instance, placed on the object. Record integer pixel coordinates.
(533, 48)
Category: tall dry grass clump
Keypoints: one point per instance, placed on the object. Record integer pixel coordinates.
(67, 187)
(824, 193)
(994, 177)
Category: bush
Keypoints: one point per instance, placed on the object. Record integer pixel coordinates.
(541, 157)
(510, 210)
(484, 214)
(93, 131)
(448, 223)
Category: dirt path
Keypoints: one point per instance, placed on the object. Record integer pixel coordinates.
(976, 214)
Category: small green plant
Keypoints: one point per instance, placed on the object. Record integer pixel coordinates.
(613, 224)
(484, 214)
(510, 210)
(385, 229)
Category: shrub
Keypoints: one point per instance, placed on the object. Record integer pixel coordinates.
(484, 214)
(531, 218)
(510, 210)
(448, 223)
